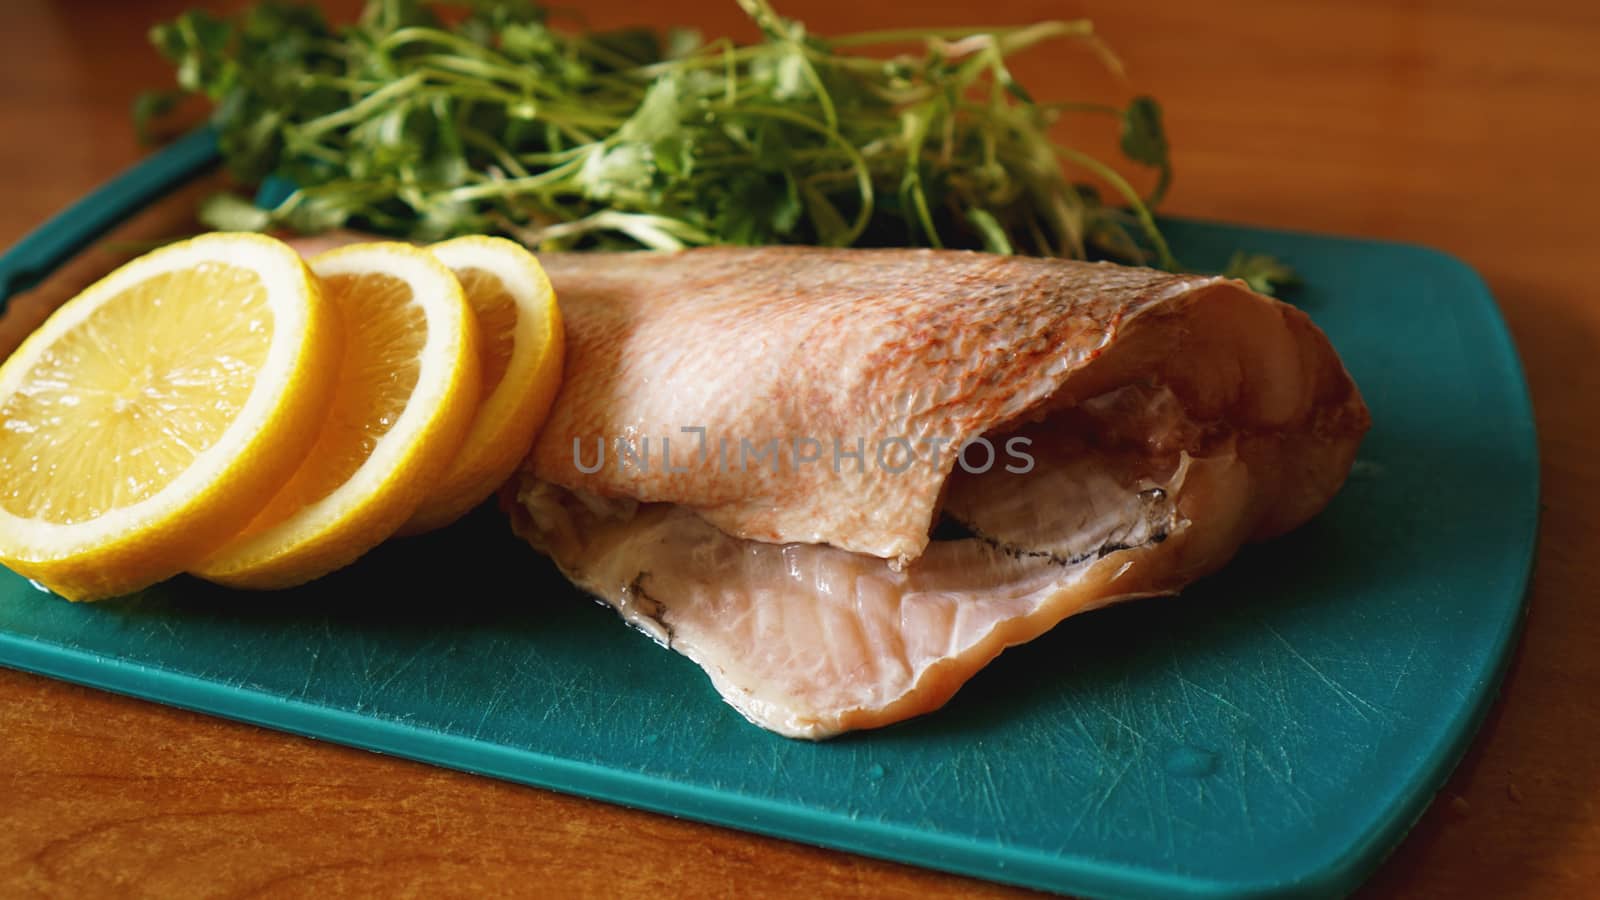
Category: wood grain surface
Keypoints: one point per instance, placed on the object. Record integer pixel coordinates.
(1470, 126)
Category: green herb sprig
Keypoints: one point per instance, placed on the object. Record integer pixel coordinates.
(420, 123)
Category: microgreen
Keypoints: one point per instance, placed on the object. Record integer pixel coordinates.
(427, 120)
(1261, 272)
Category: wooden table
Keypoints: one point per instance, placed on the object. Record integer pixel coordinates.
(1462, 125)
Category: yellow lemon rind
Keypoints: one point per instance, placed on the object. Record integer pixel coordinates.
(133, 547)
(509, 418)
(387, 488)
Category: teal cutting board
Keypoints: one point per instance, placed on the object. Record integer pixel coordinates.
(1274, 729)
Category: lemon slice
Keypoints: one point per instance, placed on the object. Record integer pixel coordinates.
(149, 418)
(521, 351)
(407, 388)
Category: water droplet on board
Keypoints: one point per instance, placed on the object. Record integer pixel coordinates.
(37, 586)
(651, 738)
(1190, 762)
(875, 772)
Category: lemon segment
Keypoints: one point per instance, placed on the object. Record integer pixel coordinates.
(153, 415)
(522, 351)
(407, 386)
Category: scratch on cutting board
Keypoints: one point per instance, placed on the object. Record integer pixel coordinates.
(1188, 685)
(317, 649)
(1351, 699)
(558, 702)
(1116, 782)
(1292, 792)
(1138, 736)
(1406, 666)
(921, 784)
(316, 658)
(365, 662)
(1077, 722)
(612, 702)
(406, 663)
(992, 800)
(1246, 815)
(499, 694)
(779, 767)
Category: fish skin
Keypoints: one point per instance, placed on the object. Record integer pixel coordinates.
(816, 603)
(786, 343)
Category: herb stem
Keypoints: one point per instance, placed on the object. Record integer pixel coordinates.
(1062, 28)
(362, 108)
(1164, 256)
(512, 186)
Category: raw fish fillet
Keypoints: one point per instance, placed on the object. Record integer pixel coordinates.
(1165, 420)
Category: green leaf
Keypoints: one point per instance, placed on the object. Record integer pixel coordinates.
(758, 208)
(1143, 139)
(196, 43)
(621, 174)
(230, 212)
(1264, 273)
(830, 227)
(319, 212)
(681, 42)
(529, 42)
(148, 107)
(443, 220)
(499, 17)
(673, 156)
(283, 30)
(251, 135)
(658, 114)
(790, 76)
